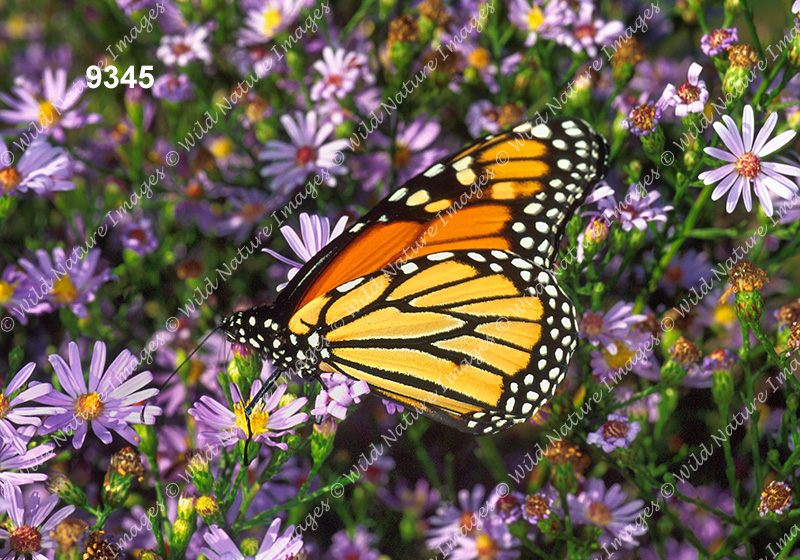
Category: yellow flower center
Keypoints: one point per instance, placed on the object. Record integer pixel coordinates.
(25, 540)
(48, 114)
(64, 290)
(479, 58)
(9, 178)
(599, 513)
(402, 155)
(258, 419)
(749, 165)
(724, 314)
(535, 18)
(221, 147)
(485, 547)
(4, 404)
(6, 291)
(89, 406)
(206, 505)
(272, 20)
(618, 360)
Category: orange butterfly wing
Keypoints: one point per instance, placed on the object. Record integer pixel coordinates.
(513, 192)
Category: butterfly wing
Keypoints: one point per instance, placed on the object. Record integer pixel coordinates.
(510, 192)
(476, 339)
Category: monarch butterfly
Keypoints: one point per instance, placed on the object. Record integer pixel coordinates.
(442, 297)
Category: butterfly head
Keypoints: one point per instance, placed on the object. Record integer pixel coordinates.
(253, 327)
(259, 329)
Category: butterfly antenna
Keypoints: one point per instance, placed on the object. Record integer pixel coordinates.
(273, 377)
(171, 375)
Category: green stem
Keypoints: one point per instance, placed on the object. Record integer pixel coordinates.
(747, 12)
(263, 517)
(162, 505)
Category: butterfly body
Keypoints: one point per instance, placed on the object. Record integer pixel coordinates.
(441, 297)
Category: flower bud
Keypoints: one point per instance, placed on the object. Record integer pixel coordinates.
(98, 545)
(322, 437)
(776, 499)
(746, 281)
(208, 508)
(186, 509)
(672, 373)
(624, 60)
(125, 466)
(61, 485)
(149, 443)
(68, 533)
(200, 470)
(182, 531)
(722, 388)
(249, 547)
(743, 59)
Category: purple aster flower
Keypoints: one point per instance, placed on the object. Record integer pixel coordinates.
(708, 528)
(11, 412)
(796, 6)
(51, 108)
(654, 75)
(249, 207)
(273, 547)
(541, 18)
(718, 41)
(506, 505)
(265, 19)
(643, 119)
(537, 507)
(340, 70)
(31, 526)
(15, 287)
(392, 407)
(138, 236)
(746, 164)
(307, 153)
(616, 323)
(642, 409)
(173, 87)
(589, 32)
(493, 542)
(685, 272)
(482, 118)
(690, 96)
(315, 233)
(616, 432)
(359, 547)
(42, 169)
(634, 353)
(28, 462)
(412, 153)
(339, 392)
(180, 50)
(418, 501)
(446, 524)
(109, 402)
(607, 509)
(698, 375)
(67, 282)
(634, 211)
(269, 421)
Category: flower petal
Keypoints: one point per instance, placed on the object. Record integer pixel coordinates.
(748, 127)
(766, 130)
(720, 154)
(777, 143)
